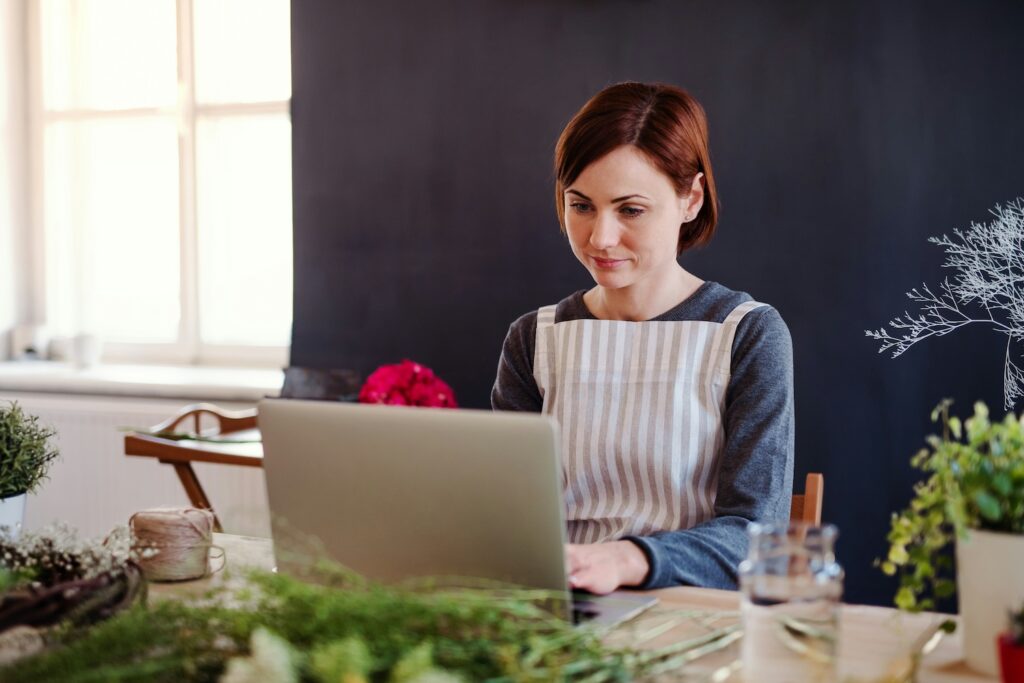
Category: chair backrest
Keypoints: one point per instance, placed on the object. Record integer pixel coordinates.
(806, 507)
(227, 421)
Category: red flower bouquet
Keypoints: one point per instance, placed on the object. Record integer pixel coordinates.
(407, 384)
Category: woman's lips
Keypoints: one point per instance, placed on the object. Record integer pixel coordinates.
(607, 263)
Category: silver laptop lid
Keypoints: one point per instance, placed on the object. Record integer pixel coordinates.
(395, 492)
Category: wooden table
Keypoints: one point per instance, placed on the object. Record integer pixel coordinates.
(242, 448)
(874, 642)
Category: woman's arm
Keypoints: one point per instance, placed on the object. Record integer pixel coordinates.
(755, 477)
(515, 388)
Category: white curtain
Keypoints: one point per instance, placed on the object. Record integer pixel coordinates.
(14, 169)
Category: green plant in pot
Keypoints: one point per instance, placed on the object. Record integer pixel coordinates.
(26, 452)
(973, 495)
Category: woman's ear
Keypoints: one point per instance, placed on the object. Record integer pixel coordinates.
(695, 199)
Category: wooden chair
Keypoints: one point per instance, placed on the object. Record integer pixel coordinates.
(172, 446)
(227, 421)
(806, 507)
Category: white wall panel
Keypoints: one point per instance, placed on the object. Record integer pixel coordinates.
(95, 486)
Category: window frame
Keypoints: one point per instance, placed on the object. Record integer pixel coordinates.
(189, 349)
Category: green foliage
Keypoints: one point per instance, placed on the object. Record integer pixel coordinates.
(975, 481)
(334, 661)
(25, 451)
(356, 633)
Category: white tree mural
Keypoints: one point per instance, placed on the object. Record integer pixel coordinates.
(988, 289)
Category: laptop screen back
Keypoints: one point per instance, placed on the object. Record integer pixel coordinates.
(394, 492)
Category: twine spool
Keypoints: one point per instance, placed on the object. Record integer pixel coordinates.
(182, 539)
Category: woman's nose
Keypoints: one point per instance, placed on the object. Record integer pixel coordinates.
(606, 231)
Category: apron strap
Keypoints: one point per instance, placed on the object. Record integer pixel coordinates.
(728, 331)
(544, 341)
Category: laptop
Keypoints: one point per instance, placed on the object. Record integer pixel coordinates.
(396, 493)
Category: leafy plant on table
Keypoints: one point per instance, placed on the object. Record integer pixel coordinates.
(277, 628)
(976, 481)
(26, 451)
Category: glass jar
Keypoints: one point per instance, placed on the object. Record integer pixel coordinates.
(792, 587)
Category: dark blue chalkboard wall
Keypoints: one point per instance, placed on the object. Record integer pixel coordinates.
(843, 134)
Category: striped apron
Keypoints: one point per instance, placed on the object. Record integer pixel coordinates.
(640, 408)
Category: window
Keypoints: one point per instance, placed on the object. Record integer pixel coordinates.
(163, 168)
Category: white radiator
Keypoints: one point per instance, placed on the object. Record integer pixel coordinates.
(95, 486)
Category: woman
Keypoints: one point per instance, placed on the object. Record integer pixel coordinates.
(674, 395)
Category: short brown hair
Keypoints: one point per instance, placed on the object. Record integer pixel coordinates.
(665, 123)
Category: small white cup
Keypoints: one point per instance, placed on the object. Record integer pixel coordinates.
(86, 350)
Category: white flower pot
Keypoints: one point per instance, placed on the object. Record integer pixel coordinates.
(12, 512)
(990, 581)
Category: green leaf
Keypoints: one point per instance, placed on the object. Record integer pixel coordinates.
(898, 554)
(955, 426)
(340, 658)
(922, 572)
(941, 409)
(1002, 484)
(944, 588)
(905, 598)
(417, 661)
(988, 505)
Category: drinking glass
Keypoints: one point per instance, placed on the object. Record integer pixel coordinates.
(791, 587)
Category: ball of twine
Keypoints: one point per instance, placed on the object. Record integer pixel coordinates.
(173, 544)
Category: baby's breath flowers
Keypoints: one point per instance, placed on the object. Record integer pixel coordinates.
(56, 554)
(52, 575)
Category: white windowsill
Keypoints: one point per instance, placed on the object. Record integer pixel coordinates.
(151, 381)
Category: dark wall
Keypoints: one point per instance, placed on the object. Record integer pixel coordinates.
(842, 135)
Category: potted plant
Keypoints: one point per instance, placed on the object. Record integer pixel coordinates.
(974, 495)
(26, 452)
(1011, 649)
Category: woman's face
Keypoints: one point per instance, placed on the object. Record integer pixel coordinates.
(622, 215)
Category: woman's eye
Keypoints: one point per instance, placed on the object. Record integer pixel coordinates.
(580, 207)
(631, 211)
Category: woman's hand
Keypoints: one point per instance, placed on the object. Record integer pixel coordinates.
(603, 567)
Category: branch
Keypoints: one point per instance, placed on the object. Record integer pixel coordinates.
(989, 260)
(1013, 381)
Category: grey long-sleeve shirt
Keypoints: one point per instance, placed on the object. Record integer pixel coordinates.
(755, 476)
